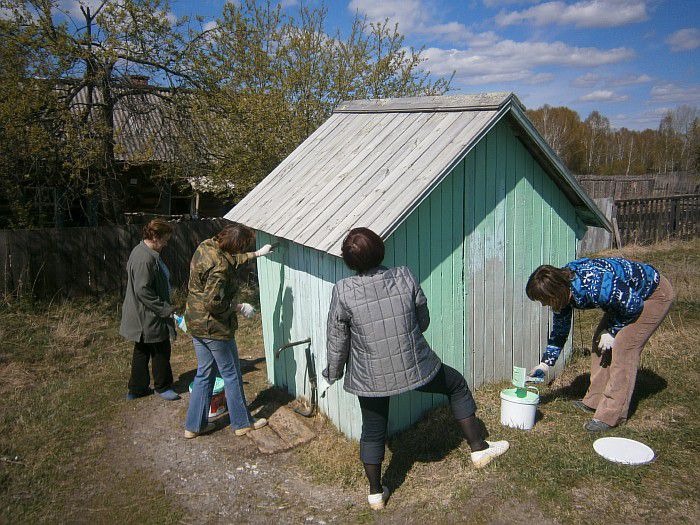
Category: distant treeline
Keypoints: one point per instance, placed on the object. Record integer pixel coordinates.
(592, 146)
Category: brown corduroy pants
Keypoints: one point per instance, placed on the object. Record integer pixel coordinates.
(613, 374)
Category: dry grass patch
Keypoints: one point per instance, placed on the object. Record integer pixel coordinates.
(64, 370)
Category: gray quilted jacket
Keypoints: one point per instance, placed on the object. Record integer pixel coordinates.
(375, 330)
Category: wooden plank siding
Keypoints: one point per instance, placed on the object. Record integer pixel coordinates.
(472, 243)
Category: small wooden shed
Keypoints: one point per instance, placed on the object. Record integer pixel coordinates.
(463, 190)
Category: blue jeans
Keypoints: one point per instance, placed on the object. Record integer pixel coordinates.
(213, 353)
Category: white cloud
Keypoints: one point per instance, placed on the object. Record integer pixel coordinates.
(497, 3)
(590, 80)
(289, 3)
(539, 78)
(508, 61)
(629, 80)
(587, 81)
(646, 119)
(450, 32)
(482, 58)
(586, 13)
(208, 26)
(72, 7)
(409, 14)
(673, 93)
(603, 95)
(684, 39)
(413, 17)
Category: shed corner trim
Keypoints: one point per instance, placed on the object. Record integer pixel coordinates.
(586, 208)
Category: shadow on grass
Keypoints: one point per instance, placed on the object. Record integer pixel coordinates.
(574, 390)
(270, 400)
(648, 384)
(431, 440)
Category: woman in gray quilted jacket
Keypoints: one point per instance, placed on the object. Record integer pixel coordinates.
(375, 334)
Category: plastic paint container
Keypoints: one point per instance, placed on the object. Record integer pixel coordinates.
(518, 408)
(218, 399)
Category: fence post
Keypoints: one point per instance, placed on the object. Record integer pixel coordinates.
(674, 216)
(616, 230)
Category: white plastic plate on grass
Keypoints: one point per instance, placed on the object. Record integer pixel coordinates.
(623, 450)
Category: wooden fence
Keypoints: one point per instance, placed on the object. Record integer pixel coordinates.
(72, 262)
(645, 221)
(640, 186)
(597, 239)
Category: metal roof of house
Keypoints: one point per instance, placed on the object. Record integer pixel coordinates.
(374, 161)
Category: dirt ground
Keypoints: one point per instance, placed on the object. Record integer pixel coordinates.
(219, 477)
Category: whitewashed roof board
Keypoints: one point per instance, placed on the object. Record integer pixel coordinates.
(374, 161)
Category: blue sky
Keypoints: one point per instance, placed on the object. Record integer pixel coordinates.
(629, 59)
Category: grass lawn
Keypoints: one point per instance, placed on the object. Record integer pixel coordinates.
(64, 370)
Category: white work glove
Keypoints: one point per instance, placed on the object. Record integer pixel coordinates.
(606, 342)
(180, 322)
(264, 250)
(324, 379)
(324, 390)
(540, 372)
(246, 310)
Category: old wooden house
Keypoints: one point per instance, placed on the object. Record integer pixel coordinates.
(464, 191)
(145, 144)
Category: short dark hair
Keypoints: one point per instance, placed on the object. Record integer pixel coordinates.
(550, 285)
(157, 229)
(362, 249)
(235, 238)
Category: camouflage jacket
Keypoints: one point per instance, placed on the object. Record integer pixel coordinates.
(212, 291)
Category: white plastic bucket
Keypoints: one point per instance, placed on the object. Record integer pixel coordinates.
(518, 408)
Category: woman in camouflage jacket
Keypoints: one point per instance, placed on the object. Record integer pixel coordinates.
(211, 319)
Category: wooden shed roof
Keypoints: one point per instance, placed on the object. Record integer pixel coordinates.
(374, 161)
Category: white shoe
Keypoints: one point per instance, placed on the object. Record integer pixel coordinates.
(481, 458)
(378, 501)
(257, 424)
(189, 434)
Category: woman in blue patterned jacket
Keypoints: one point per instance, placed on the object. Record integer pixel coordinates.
(634, 297)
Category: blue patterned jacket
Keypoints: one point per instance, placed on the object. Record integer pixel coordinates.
(617, 286)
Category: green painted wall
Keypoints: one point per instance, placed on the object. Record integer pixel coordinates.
(472, 243)
(515, 219)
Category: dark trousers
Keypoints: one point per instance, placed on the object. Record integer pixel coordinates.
(159, 354)
(375, 411)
